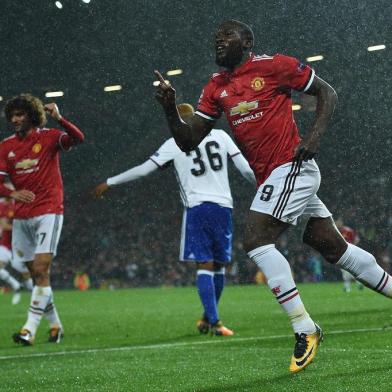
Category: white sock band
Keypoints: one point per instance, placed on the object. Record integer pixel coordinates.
(205, 272)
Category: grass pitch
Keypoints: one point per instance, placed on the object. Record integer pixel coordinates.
(145, 340)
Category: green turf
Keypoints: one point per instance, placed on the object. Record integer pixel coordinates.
(145, 340)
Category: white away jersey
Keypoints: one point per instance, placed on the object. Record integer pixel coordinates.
(202, 173)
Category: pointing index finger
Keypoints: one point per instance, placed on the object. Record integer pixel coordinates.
(159, 76)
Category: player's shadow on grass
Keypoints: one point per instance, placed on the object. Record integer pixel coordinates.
(273, 383)
(353, 312)
(175, 339)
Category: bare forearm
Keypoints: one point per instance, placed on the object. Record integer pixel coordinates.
(326, 103)
(186, 137)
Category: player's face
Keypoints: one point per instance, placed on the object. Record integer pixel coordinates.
(20, 121)
(228, 47)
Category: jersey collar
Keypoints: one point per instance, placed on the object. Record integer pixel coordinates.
(241, 68)
(29, 136)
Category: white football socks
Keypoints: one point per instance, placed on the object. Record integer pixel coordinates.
(6, 276)
(280, 280)
(51, 314)
(28, 284)
(40, 297)
(363, 266)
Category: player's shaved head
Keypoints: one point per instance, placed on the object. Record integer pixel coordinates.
(245, 31)
(233, 43)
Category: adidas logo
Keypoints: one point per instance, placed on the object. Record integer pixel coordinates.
(224, 94)
(191, 256)
(11, 154)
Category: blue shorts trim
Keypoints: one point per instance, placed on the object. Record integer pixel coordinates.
(207, 233)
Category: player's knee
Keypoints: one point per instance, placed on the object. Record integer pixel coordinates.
(209, 266)
(40, 274)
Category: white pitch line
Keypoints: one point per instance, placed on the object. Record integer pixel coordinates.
(178, 344)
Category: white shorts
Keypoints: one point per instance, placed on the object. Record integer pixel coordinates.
(36, 235)
(6, 257)
(290, 191)
(5, 254)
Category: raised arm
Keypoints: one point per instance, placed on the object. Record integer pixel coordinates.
(326, 102)
(187, 135)
(73, 136)
(130, 175)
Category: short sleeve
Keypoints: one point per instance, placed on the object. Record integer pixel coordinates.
(166, 153)
(293, 74)
(207, 106)
(232, 149)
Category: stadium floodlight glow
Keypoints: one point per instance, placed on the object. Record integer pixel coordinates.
(375, 47)
(52, 94)
(314, 58)
(1, 98)
(156, 83)
(174, 72)
(115, 87)
(86, 1)
(296, 107)
(58, 5)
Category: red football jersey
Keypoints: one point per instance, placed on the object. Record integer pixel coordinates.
(349, 234)
(256, 99)
(33, 163)
(7, 212)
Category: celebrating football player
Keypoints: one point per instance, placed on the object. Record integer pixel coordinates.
(254, 92)
(31, 159)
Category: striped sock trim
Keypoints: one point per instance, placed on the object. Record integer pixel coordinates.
(382, 283)
(36, 308)
(287, 296)
(381, 280)
(39, 312)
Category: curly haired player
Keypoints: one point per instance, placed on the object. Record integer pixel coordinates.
(31, 160)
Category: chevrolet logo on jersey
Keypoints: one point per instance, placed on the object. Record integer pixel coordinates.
(26, 164)
(244, 108)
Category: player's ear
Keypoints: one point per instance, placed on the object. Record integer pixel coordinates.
(247, 44)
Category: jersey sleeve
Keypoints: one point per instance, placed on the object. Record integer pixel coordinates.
(55, 135)
(293, 74)
(3, 161)
(207, 106)
(232, 149)
(166, 153)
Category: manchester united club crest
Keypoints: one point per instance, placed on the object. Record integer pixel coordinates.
(257, 83)
(37, 148)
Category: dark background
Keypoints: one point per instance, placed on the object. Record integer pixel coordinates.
(83, 47)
